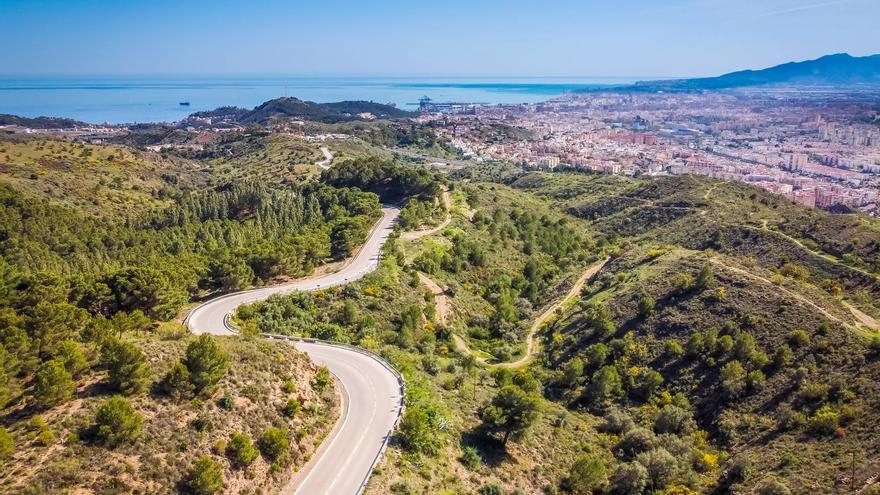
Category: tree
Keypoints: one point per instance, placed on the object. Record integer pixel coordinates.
(783, 356)
(418, 430)
(586, 476)
(127, 370)
(71, 355)
(733, 379)
(241, 451)
(470, 458)
(177, 382)
(511, 412)
(134, 322)
(7, 444)
(205, 477)
(606, 384)
(117, 422)
(274, 444)
(53, 384)
(206, 362)
(52, 324)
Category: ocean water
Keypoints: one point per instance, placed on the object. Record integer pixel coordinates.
(118, 100)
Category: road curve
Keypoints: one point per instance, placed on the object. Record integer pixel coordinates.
(373, 395)
(373, 403)
(211, 316)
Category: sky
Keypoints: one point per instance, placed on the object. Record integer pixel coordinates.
(515, 38)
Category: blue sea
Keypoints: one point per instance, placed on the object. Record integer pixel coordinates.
(117, 100)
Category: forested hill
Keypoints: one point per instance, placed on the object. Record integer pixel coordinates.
(294, 108)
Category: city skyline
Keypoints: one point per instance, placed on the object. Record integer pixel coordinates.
(682, 38)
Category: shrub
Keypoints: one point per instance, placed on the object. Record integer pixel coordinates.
(470, 458)
(660, 464)
(755, 380)
(673, 419)
(646, 305)
(772, 487)
(206, 362)
(417, 431)
(322, 379)
(127, 370)
(490, 489)
(629, 478)
(813, 391)
(290, 408)
(744, 346)
(799, 337)
(586, 476)
(825, 421)
(617, 421)
(783, 356)
(53, 384)
(240, 450)
(636, 441)
(739, 469)
(274, 444)
(673, 349)
(205, 477)
(7, 444)
(682, 283)
(733, 377)
(117, 422)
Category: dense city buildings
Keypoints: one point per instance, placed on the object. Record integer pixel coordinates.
(819, 148)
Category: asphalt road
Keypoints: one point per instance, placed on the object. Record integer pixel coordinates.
(210, 317)
(372, 394)
(373, 401)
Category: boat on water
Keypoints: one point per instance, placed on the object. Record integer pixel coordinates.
(184, 103)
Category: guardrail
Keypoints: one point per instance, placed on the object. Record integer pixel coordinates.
(400, 382)
(227, 321)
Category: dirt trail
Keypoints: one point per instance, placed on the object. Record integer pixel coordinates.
(328, 157)
(863, 318)
(531, 342)
(444, 308)
(788, 292)
(418, 234)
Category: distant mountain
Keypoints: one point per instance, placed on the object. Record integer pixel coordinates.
(839, 69)
(294, 108)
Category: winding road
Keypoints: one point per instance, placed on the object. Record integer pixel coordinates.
(372, 393)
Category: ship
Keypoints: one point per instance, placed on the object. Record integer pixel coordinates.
(184, 103)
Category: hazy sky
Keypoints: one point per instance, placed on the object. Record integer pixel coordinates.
(417, 37)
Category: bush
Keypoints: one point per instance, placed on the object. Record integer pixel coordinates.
(783, 356)
(7, 444)
(825, 421)
(673, 419)
(660, 464)
(205, 477)
(646, 305)
(241, 451)
(274, 444)
(617, 421)
(636, 441)
(733, 379)
(322, 379)
(629, 478)
(490, 489)
(673, 349)
(117, 422)
(586, 476)
(418, 432)
(470, 458)
(290, 408)
(739, 469)
(127, 370)
(799, 337)
(755, 380)
(53, 384)
(773, 487)
(206, 362)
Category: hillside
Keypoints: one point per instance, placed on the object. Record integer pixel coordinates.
(58, 449)
(750, 307)
(840, 69)
(294, 108)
